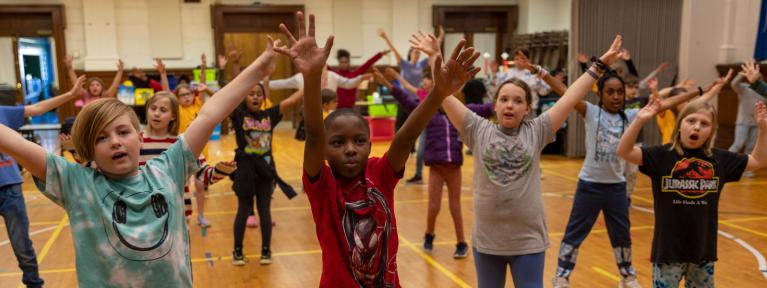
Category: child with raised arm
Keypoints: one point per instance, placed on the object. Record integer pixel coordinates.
(94, 86)
(352, 195)
(688, 176)
(13, 210)
(127, 220)
(602, 182)
(509, 221)
(253, 126)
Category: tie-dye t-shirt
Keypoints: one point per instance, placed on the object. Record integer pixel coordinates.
(129, 232)
(509, 218)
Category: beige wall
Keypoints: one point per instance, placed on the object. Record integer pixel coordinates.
(101, 31)
(716, 32)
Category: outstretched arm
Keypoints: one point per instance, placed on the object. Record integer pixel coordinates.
(112, 91)
(393, 74)
(407, 102)
(30, 155)
(163, 74)
(70, 69)
(557, 86)
(382, 34)
(717, 87)
(448, 78)
(653, 74)
(310, 60)
(626, 148)
(44, 106)
(574, 95)
(293, 100)
(220, 106)
(758, 158)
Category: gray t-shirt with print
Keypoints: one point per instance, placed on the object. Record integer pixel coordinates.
(603, 132)
(128, 232)
(509, 218)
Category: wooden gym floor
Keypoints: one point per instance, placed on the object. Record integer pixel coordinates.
(297, 259)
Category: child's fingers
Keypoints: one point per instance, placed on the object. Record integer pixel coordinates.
(465, 55)
(287, 33)
(301, 25)
(473, 72)
(457, 49)
(311, 25)
(470, 62)
(328, 45)
(617, 43)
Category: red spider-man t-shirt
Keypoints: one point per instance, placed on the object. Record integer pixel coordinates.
(356, 226)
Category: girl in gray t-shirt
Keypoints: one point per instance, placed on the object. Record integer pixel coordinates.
(509, 221)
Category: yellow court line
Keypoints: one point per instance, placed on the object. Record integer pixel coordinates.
(49, 243)
(643, 199)
(605, 273)
(457, 280)
(750, 219)
(727, 223)
(41, 223)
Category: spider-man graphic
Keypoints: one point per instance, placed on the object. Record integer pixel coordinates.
(367, 226)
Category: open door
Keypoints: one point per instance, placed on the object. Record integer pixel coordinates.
(36, 67)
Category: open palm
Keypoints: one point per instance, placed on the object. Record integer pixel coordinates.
(304, 52)
(450, 76)
(426, 43)
(760, 114)
(649, 110)
(614, 52)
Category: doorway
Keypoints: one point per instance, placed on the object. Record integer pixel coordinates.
(36, 68)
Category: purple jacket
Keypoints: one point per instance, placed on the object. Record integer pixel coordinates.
(442, 144)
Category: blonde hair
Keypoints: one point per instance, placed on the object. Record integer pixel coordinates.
(694, 107)
(173, 124)
(93, 119)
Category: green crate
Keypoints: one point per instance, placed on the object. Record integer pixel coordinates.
(381, 110)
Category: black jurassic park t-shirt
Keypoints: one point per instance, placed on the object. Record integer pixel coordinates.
(686, 191)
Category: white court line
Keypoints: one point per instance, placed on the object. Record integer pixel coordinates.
(6, 242)
(759, 258)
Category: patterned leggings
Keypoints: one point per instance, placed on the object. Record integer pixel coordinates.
(696, 275)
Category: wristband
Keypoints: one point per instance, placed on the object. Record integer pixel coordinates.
(599, 65)
(592, 74)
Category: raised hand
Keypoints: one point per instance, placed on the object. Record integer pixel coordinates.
(270, 52)
(649, 110)
(582, 57)
(653, 84)
(625, 55)
(614, 52)
(720, 82)
(450, 76)
(308, 58)
(234, 55)
(66, 142)
(159, 66)
(119, 65)
(221, 62)
(385, 52)
(760, 114)
(750, 71)
(522, 62)
(381, 33)
(426, 43)
(68, 61)
(78, 86)
(440, 34)
(203, 60)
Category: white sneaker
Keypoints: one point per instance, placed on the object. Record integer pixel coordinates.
(629, 282)
(202, 221)
(560, 282)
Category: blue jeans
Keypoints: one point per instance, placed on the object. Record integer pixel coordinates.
(590, 199)
(526, 270)
(17, 225)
